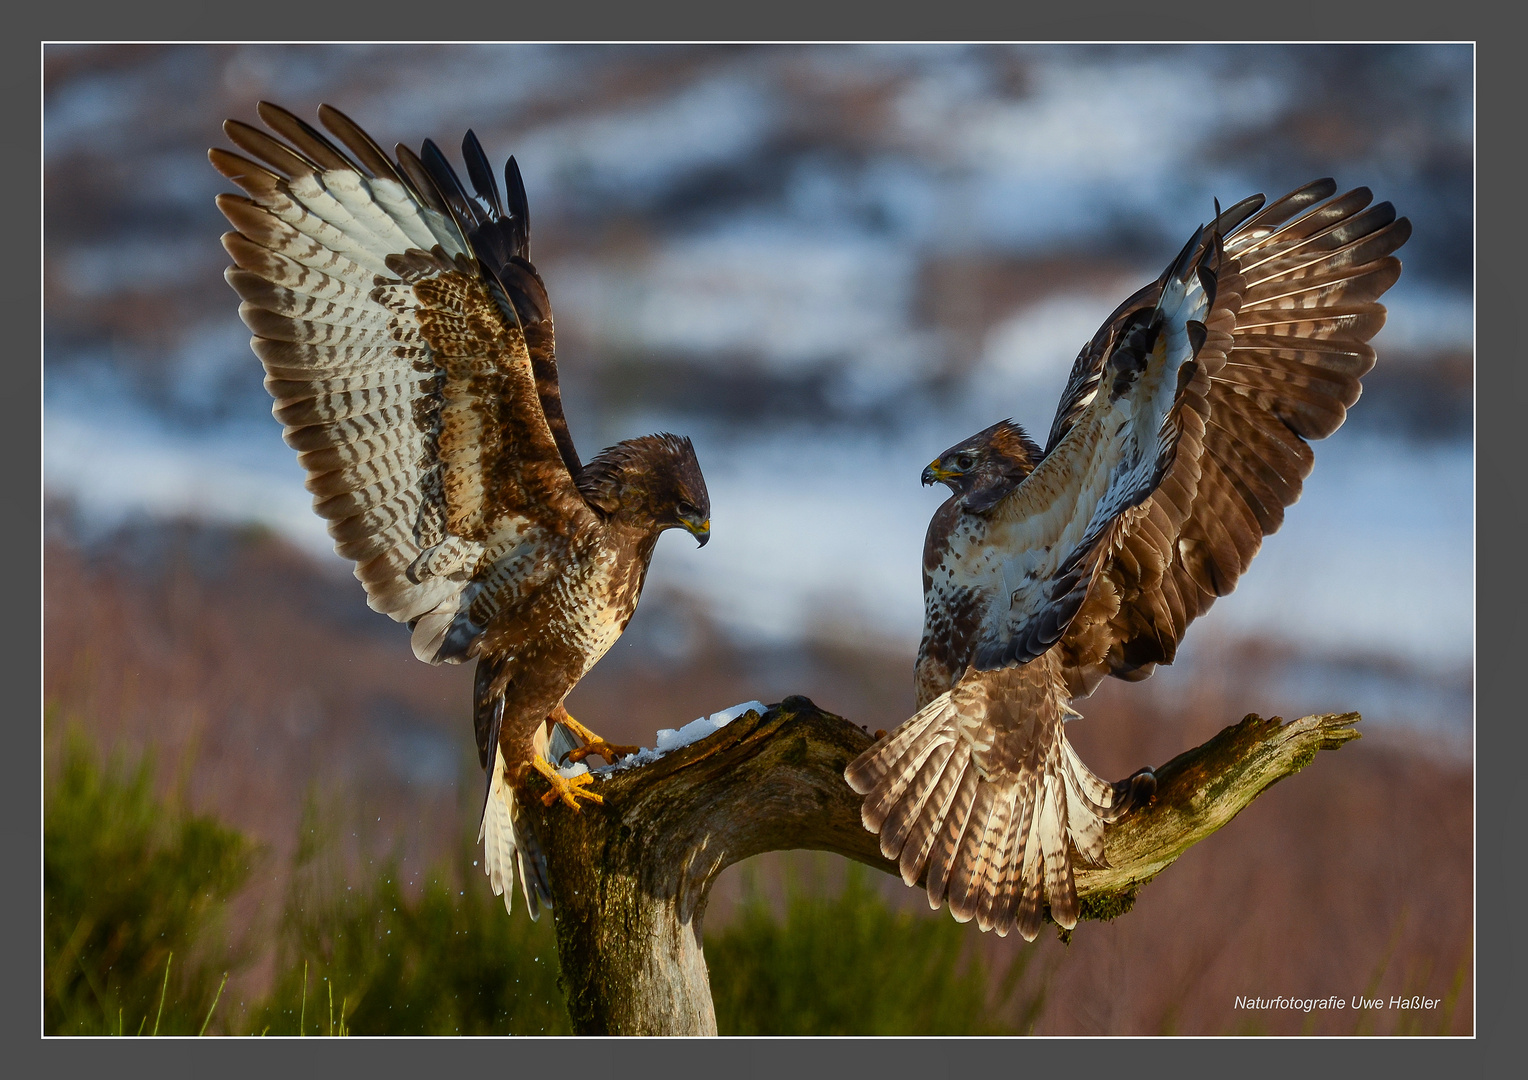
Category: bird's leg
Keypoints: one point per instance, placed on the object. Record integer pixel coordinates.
(569, 791)
(593, 744)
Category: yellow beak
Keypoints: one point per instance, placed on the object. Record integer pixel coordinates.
(935, 475)
(701, 532)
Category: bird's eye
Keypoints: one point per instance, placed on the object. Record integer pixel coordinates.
(684, 509)
(963, 462)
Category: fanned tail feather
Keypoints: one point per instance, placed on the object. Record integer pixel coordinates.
(925, 819)
(876, 763)
(997, 847)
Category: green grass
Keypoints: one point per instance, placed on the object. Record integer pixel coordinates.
(852, 965)
(134, 886)
(447, 960)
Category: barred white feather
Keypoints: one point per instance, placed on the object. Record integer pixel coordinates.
(983, 802)
(505, 853)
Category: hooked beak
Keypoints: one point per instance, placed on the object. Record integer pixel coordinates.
(701, 531)
(935, 475)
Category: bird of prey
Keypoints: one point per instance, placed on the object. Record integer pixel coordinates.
(1182, 435)
(408, 343)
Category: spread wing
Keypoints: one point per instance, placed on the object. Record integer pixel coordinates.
(1028, 563)
(1061, 529)
(408, 344)
(1302, 282)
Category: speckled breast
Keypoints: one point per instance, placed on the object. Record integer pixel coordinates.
(596, 601)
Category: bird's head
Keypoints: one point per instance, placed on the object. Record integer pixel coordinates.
(1002, 453)
(653, 482)
(685, 503)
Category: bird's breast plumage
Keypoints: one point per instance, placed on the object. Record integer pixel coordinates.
(579, 612)
(598, 602)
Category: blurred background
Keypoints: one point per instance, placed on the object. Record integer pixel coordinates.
(825, 265)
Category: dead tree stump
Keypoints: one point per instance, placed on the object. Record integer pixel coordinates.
(630, 879)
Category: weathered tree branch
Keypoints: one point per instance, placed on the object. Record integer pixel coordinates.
(630, 879)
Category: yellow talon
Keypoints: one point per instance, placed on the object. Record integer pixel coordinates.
(593, 744)
(568, 790)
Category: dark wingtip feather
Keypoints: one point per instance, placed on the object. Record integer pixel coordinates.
(247, 174)
(1216, 254)
(862, 773)
(463, 209)
(481, 174)
(1283, 209)
(1312, 193)
(1209, 280)
(519, 207)
(1180, 266)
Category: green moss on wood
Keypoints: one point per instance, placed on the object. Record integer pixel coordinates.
(1303, 758)
(1107, 906)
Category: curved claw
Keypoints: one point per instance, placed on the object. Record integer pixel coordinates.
(568, 790)
(611, 752)
(593, 744)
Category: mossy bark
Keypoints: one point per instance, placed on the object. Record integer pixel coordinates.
(630, 878)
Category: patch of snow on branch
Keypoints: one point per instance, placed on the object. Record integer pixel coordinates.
(669, 739)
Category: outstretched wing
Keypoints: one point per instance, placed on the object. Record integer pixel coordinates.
(1082, 384)
(1307, 279)
(403, 332)
(1033, 557)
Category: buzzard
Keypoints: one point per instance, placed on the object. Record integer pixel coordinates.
(1180, 438)
(408, 343)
